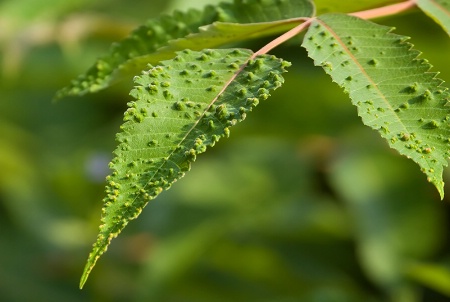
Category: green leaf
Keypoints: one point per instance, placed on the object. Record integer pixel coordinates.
(211, 36)
(255, 11)
(439, 10)
(393, 90)
(130, 56)
(182, 106)
(145, 39)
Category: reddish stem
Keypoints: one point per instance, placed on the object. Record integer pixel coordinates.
(283, 38)
(385, 10)
(367, 14)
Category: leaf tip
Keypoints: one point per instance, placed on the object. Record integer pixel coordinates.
(86, 272)
(440, 188)
(438, 183)
(87, 269)
(83, 281)
(99, 248)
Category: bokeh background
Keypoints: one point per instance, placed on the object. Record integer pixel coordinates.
(302, 203)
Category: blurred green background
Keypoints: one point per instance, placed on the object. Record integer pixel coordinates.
(302, 203)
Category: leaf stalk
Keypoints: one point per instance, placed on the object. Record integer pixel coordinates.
(366, 14)
(385, 10)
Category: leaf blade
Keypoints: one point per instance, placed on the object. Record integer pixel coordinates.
(214, 35)
(181, 108)
(393, 90)
(130, 56)
(438, 10)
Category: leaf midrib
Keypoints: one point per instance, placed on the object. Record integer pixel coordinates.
(168, 158)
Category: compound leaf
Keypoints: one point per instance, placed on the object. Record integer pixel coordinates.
(182, 106)
(392, 88)
(129, 56)
(439, 10)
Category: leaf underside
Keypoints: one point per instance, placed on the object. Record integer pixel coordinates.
(214, 35)
(134, 53)
(439, 10)
(182, 106)
(392, 88)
